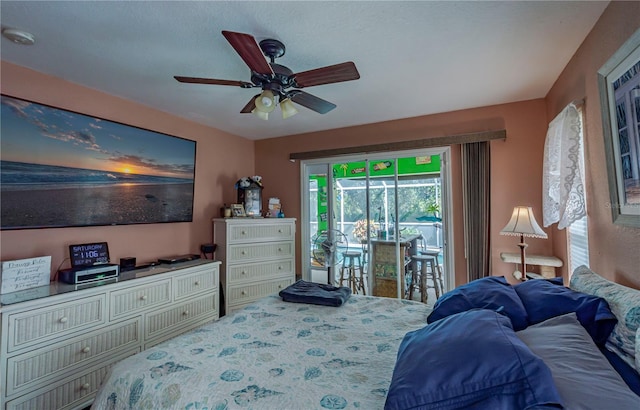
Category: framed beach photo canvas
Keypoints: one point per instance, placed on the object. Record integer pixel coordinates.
(60, 169)
(619, 85)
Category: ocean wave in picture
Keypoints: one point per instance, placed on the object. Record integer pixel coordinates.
(22, 176)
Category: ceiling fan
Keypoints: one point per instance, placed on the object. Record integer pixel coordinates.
(278, 83)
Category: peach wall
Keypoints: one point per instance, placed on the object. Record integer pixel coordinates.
(516, 165)
(613, 249)
(221, 159)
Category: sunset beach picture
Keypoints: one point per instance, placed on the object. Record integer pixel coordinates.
(60, 169)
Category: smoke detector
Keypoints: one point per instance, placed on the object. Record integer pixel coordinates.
(18, 36)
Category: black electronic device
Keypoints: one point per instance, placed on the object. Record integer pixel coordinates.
(127, 264)
(89, 263)
(89, 274)
(89, 254)
(179, 258)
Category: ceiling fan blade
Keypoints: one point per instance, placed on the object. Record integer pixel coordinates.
(327, 75)
(250, 105)
(196, 80)
(249, 50)
(312, 102)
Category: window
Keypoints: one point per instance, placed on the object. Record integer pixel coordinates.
(577, 232)
(578, 244)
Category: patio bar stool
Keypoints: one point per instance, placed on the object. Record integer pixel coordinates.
(425, 265)
(349, 267)
(435, 253)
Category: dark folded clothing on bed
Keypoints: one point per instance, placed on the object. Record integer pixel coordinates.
(315, 294)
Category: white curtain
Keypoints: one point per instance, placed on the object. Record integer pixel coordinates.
(563, 199)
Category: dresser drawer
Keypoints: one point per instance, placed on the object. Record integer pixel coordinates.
(247, 293)
(259, 271)
(38, 325)
(31, 368)
(157, 323)
(260, 232)
(136, 299)
(195, 283)
(260, 252)
(70, 393)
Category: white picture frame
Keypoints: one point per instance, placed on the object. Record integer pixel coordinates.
(619, 86)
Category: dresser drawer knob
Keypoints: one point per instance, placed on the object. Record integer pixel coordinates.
(185, 313)
(85, 386)
(279, 286)
(63, 319)
(279, 267)
(87, 349)
(143, 297)
(197, 283)
(279, 230)
(243, 253)
(243, 232)
(243, 273)
(243, 292)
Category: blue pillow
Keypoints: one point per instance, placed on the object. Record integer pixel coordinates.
(471, 359)
(544, 299)
(493, 293)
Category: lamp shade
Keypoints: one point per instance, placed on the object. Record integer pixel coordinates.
(523, 223)
(260, 114)
(266, 101)
(288, 109)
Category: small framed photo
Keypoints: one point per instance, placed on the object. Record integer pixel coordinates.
(237, 210)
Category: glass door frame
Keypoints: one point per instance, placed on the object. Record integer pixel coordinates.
(327, 164)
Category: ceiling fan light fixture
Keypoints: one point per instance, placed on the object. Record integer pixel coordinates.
(21, 37)
(266, 101)
(260, 114)
(288, 109)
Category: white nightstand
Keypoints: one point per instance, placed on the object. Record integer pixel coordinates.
(548, 264)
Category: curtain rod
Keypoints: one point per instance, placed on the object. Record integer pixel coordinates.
(403, 145)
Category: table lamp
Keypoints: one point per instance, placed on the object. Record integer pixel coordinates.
(523, 223)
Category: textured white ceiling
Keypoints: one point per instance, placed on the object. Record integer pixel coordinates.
(414, 58)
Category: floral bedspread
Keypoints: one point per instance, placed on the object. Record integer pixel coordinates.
(272, 355)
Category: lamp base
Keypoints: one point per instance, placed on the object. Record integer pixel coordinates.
(522, 246)
(517, 274)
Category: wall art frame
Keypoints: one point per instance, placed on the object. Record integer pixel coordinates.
(237, 210)
(619, 87)
(60, 168)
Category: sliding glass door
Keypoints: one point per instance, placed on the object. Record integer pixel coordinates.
(368, 218)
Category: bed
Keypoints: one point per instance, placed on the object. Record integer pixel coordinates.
(485, 345)
(272, 355)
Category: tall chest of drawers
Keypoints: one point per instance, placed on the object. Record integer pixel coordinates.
(257, 255)
(58, 342)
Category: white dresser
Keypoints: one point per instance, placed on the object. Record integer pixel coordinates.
(258, 257)
(59, 341)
